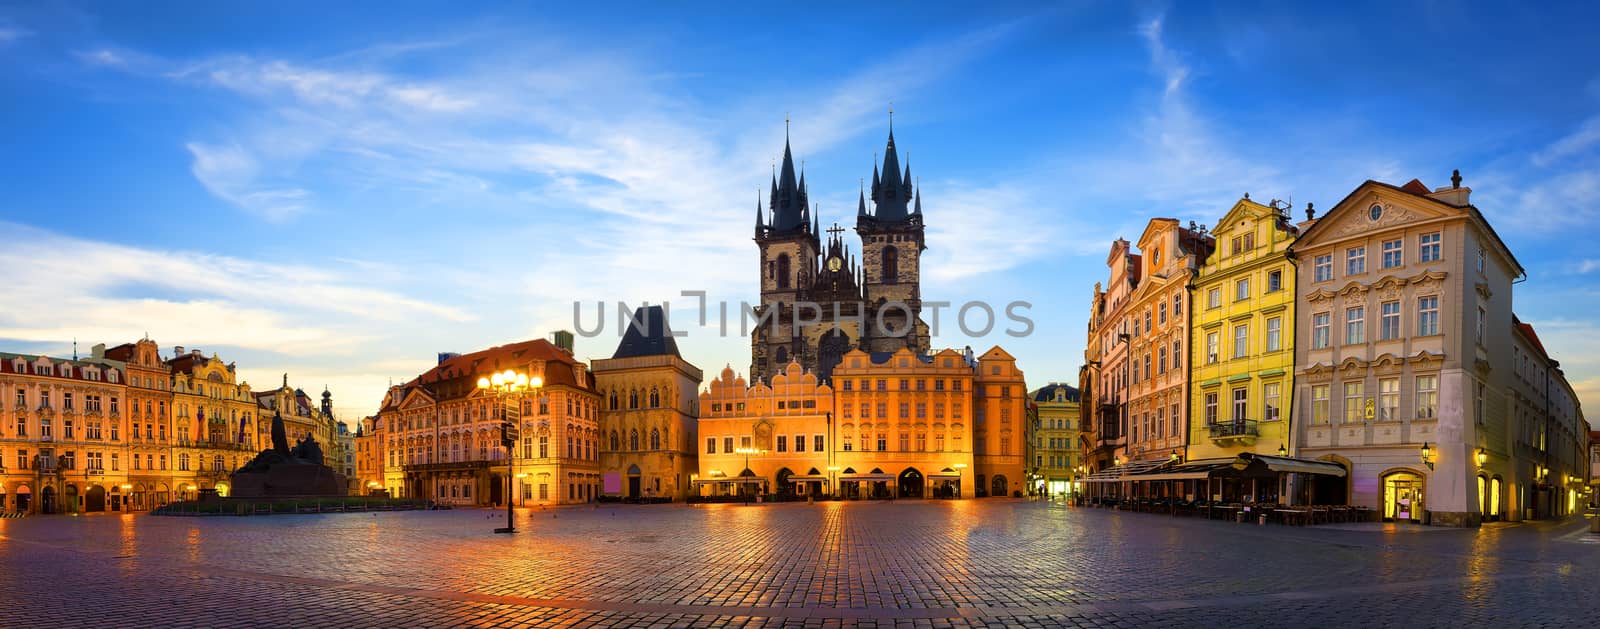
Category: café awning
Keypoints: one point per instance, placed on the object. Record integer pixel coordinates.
(1119, 473)
(1192, 470)
(867, 478)
(1289, 465)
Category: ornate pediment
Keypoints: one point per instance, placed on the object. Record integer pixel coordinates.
(1483, 290)
(1427, 279)
(1354, 289)
(1388, 363)
(1426, 358)
(1320, 295)
(1352, 364)
(1318, 370)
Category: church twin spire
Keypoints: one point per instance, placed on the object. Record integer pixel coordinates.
(894, 198)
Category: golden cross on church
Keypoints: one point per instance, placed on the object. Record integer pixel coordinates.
(835, 230)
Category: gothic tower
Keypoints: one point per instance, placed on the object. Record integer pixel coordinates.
(892, 243)
(788, 239)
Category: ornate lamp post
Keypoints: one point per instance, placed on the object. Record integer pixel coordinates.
(746, 452)
(506, 385)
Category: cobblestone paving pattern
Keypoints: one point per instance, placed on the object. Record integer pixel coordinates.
(905, 564)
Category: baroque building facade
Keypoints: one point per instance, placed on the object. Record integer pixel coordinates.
(1409, 362)
(1057, 455)
(126, 429)
(440, 434)
(651, 406)
(1243, 336)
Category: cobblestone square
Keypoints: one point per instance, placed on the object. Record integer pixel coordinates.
(910, 563)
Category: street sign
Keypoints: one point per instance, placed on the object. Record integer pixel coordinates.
(509, 433)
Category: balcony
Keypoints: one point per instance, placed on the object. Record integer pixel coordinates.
(1238, 430)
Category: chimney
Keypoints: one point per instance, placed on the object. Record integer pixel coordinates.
(562, 340)
(1455, 194)
(177, 351)
(99, 350)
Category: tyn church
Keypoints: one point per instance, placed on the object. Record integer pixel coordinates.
(874, 305)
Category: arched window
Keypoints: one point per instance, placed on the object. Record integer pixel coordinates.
(633, 399)
(783, 357)
(783, 271)
(655, 439)
(614, 442)
(633, 439)
(655, 398)
(891, 265)
(613, 400)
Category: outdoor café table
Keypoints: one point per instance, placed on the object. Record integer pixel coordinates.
(1296, 517)
(1226, 511)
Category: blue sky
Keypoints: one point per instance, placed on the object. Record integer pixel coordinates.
(340, 190)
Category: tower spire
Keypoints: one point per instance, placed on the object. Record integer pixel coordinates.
(861, 200)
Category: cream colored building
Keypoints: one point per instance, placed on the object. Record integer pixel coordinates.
(651, 405)
(1057, 452)
(62, 444)
(1406, 352)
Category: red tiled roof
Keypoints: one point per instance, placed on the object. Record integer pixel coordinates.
(1415, 186)
(1533, 337)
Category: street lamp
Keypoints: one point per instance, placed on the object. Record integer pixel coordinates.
(960, 477)
(504, 384)
(1283, 450)
(746, 452)
(1427, 455)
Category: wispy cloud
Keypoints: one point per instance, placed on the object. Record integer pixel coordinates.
(233, 175)
(1586, 136)
(10, 34)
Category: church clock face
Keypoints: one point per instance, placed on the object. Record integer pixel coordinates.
(834, 263)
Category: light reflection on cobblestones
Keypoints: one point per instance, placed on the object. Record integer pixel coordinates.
(964, 563)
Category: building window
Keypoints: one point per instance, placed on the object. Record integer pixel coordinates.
(905, 442)
(1393, 253)
(1427, 397)
(1482, 261)
(849, 442)
(1355, 260)
(1429, 246)
(1388, 399)
(1274, 281)
(1241, 404)
(883, 442)
(1270, 396)
(1214, 298)
(1212, 349)
(783, 443)
(1355, 325)
(1389, 326)
(1161, 313)
(817, 443)
(1211, 408)
(1480, 408)
(1161, 360)
(1241, 341)
(1241, 289)
(799, 443)
(1274, 334)
(1177, 305)
(1353, 399)
(727, 445)
(1177, 354)
(1323, 268)
(744, 442)
(1319, 330)
(1428, 315)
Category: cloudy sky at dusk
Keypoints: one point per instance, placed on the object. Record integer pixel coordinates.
(339, 191)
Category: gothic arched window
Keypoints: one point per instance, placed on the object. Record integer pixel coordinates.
(613, 400)
(615, 445)
(891, 265)
(783, 271)
(655, 439)
(633, 439)
(783, 356)
(655, 398)
(633, 399)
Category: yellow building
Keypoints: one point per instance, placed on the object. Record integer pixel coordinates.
(1242, 353)
(1057, 452)
(149, 417)
(214, 421)
(648, 421)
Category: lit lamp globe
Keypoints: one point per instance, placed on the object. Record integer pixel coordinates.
(536, 382)
(497, 379)
(483, 383)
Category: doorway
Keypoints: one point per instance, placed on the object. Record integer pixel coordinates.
(999, 486)
(911, 483)
(633, 481)
(1403, 497)
(95, 499)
